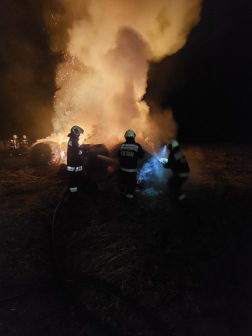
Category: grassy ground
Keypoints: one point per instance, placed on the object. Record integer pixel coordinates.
(149, 267)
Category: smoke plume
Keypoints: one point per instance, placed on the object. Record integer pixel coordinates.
(103, 74)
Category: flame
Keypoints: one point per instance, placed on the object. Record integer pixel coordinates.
(103, 73)
(62, 155)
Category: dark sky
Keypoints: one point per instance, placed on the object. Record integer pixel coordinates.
(27, 68)
(207, 83)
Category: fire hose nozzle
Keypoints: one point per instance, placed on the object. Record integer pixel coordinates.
(162, 160)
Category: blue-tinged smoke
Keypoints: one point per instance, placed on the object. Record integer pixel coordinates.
(152, 173)
(163, 152)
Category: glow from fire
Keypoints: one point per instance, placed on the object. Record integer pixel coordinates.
(110, 169)
(62, 154)
(103, 74)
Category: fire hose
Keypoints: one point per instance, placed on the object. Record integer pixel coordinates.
(152, 320)
(81, 310)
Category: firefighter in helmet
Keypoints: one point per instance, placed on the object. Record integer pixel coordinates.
(14, 146)
(179, 166)
(24, 145)
(74, 158)
(129, 153)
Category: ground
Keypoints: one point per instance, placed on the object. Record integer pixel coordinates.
(104, 266)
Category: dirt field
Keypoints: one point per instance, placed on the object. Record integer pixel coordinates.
(149, 267)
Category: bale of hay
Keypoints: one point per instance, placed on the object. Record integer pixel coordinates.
(45, 152)
(40, 154)
(4, 146)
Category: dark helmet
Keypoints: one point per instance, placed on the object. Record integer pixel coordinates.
(130, 134)
(173, 144)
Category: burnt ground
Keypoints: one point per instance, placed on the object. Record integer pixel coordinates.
(149, 267)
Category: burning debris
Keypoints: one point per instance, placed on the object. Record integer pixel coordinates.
(103, 77)
(99, 162)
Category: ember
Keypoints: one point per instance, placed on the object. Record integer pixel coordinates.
(110, 169)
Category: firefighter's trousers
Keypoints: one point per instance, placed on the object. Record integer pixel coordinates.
(129, 180)
(174, 185)
(74, 181)
(13, 151)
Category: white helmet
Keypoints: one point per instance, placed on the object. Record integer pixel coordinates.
(173, 144)
(77, 130)
(130, 134)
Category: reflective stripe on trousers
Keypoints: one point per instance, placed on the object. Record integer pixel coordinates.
(129, 170)
(183, 174)
(181, 197)
(73, 189)
(74, 169)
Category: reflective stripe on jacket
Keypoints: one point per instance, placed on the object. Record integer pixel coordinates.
(129, 153)
(177, 163)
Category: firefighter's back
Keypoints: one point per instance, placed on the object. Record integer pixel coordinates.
(129, 153)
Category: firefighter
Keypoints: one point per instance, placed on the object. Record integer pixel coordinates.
(24, 145)
(129, 153)
(74, 158)
(179, 166)
(14, 146)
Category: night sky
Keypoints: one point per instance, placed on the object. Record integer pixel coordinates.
(207, 84)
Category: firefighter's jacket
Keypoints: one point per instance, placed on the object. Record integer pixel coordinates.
(24, 143)
(129, 153)
(177, 163)
(74, 155)
(14, 143)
